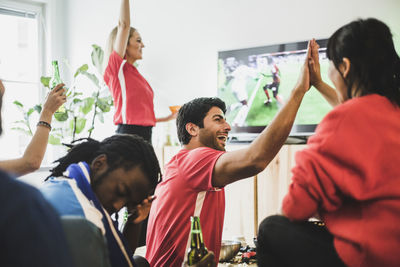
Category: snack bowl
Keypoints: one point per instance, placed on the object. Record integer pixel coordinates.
(229, 249)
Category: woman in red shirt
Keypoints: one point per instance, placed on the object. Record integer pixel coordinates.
(349, 174)
(133, 96)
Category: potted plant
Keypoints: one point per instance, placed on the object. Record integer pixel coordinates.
(83, 107)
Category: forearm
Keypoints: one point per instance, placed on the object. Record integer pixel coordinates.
(328, 93)
(298, 204)
(131, 232)
(124, 15)
(244, 163)
(124, 23)
(34, 153)
(162, 119)
(267, 145)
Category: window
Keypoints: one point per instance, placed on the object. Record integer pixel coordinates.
(21, 58)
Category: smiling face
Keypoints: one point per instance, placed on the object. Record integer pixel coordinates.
(215, 131)
(119, 187)
(134, 47)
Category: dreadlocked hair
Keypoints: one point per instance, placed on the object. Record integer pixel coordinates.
(121, 150)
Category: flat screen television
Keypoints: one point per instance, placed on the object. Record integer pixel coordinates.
(255, 82)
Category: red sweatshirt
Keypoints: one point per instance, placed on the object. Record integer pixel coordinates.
(350, 175)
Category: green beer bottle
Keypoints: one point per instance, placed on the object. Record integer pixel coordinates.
(197, 248)
(55, 80)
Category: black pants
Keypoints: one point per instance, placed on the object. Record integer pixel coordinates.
(145, 132)
(282, 243)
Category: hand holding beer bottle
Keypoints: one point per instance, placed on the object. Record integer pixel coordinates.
(198, 254)
(56, 80)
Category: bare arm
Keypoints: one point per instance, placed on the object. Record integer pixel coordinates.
(171, 116)
(34, 153)
(124, 24)
(240, 164)
(315, 77)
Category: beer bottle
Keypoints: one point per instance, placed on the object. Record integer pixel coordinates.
(55, 80)
(197, 248)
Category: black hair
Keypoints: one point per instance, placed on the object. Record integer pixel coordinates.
(194, 112)
(375, 65)
(122, 150)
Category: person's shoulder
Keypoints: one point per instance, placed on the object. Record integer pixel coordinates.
(204, 151)
(9, 183)
(196, 155)
(359, 106)
(21, 194)
(114, 61)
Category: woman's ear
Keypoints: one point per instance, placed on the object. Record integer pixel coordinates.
(192, 129)
(345, 67)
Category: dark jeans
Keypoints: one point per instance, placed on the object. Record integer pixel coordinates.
(145, 132)
(282, 243)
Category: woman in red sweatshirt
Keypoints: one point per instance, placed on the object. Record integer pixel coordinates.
(349, 174)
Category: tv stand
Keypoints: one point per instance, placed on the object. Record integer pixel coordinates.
(244, 138)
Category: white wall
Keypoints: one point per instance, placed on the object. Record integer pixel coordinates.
(182, 37)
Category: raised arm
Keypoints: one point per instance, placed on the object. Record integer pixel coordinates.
(36, 149)
(315, 76)
(124, 24)
(240, 164)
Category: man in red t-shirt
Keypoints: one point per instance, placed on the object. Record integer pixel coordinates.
(194, 179)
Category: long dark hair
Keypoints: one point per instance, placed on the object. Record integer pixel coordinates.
(375, 65)
(122, 150)
(194, 112)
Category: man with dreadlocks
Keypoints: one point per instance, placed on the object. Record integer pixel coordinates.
(96, 179)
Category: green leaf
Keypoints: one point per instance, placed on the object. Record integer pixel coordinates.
(30, 111)
(103, 105)
(54, 140)
(90, 129)
(17, 103)
(81, 70)
(77, 100)
(38, 108)
(76, 94)
(97, 57)
(22, 130)
(88, 105)
(61, 116)
(45, 81)
(80, 125)
(93, 78)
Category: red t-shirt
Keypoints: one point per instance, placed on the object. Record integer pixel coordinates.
(186, 190)
(133, 96)
(350, 174)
